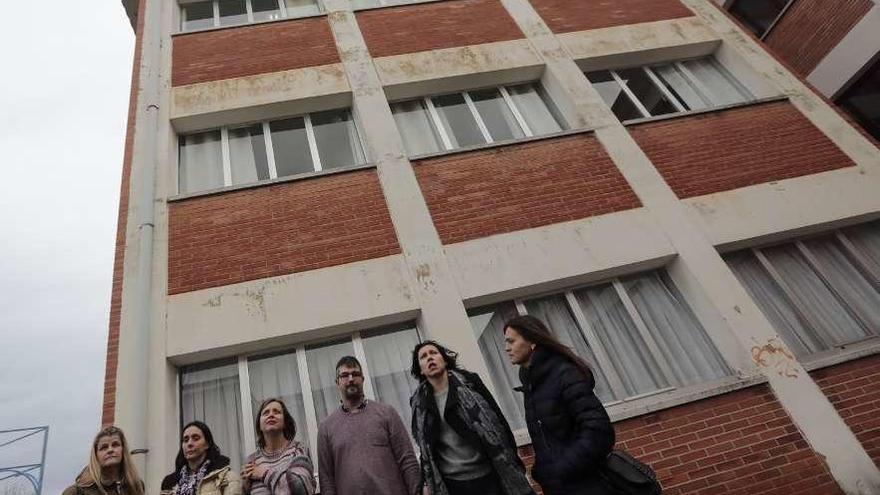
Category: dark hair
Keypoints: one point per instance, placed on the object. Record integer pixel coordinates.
(289, 423)
(349, 361)
(536, 332)
(450, 357)
(213, 450)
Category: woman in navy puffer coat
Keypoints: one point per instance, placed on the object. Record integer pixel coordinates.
(570, 430)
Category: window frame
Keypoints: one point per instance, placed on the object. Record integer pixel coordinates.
(246, 414)
(761, 36)
(699, 87)
(445, 143)
(859, 260)
(215, 24)
(615, 382)
(226, 155)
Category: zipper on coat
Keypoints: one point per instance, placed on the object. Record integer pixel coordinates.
(543, 435)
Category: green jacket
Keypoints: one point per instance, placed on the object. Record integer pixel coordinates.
(86, 485)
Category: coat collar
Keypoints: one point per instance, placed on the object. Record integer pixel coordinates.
(542, 363)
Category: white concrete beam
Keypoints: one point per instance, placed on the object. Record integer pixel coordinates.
(443, 316)
(843, 63)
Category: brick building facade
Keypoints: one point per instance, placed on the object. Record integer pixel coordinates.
(307, 179)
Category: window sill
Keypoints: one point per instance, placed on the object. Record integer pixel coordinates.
(646, 404)
(412, 2)
(246, 24)
(691, 113)
(271, 182)
(842, 354)
(499, 144)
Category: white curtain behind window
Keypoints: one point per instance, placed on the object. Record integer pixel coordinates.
(299, 8)
(682, 88)
(322, 375)
(212, 396)
(414, 124)
(534, 109)
(682, 340)
(247, 155)
(488, 326)
(857, 292)
(278, 376)
(554, 312)
(201, 162)
(812, 296)
(715, 79)
(773, 303)
(867, 240)
(620, 337)
(389, 357)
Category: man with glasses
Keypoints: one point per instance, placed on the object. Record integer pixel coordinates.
(363, 447)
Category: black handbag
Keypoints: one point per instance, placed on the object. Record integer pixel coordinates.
(624, 474)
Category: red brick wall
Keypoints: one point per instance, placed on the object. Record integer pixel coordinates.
(735, 148)
(812, 28)
(276, 230)
(108, 411)
(739, 443)
(854, 389)
(520, 186)
(248, 50)
(563, 16)
(417, 28)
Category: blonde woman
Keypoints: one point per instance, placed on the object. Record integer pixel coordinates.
(111, 470)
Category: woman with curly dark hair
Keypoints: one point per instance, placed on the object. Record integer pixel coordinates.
(200, 468)
(466, 445)
(571, 432)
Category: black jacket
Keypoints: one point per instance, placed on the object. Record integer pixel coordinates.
(570, 430)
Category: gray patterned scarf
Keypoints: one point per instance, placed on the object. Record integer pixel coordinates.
(189, 481)
(485, 424)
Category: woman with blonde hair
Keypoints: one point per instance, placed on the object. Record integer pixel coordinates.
(111, 470)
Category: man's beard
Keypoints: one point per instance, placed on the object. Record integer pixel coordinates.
(353, 393)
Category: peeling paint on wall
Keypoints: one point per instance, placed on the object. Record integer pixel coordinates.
(775, 356)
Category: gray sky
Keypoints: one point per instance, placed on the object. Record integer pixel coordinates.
(65, 69)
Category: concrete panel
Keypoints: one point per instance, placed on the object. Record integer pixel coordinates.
(853, 52)
(277, 311)
(776, 210)
(526, 262)
(452, 69)
(264, 96)
(640, 44)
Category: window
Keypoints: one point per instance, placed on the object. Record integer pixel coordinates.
(214, 395)
(215, 13)
(267, 150)
(667, 89)
(471, 118)
(862, 100)
(636, 332)
(819, 293)
(758, 15)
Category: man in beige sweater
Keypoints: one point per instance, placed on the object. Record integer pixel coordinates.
(363, 446)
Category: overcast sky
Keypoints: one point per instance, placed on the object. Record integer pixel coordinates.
(65, 68)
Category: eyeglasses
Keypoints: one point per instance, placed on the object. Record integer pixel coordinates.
(345, 375)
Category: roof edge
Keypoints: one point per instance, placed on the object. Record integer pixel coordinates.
(131, 9)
